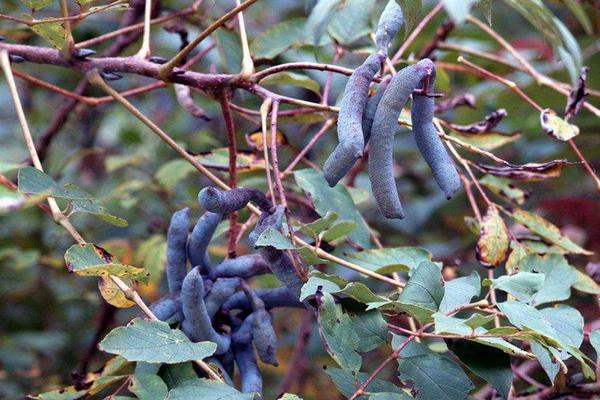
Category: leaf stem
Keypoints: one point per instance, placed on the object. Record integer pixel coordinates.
(166, 70)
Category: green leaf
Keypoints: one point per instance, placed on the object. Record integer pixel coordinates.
(477, 320)
(547, 230)
(458, 10)
(493, 243)
(117, 162)
(148, 387)
(527, 318)
(154, 342)
(557, 127)
(522, 285)
(92, 260)
(436, 377)
(567, 322)
(7, 167)
(389, 396)
(314, 228)
(487, 140)
(274, 238)
(585, 283)
(457, 326)
(336, 199)
(33, 181)
(328, 284)
(206, 389)
(103, 382)
(360, 293)
(289, 396)
(319, 18)
(423, 292)
(338, 333)
(347, 382)
(338, 230)
(310, 256)
(504, 188)
(579, 12)
(412, 12)
(294, 79)
(352, 21)
(460, 291)
(559, 276)
(539, 16)
(53, 32)
(151, 254)
(569, 52)
(94, 207)
(488, 363)
(278, 38)
(68, 393)
(516, 257)
(230, 50)
(393, 259)
(219, 159)
(172, 172)
(175, 375)
(549, 359)
(371, 329)
(36, 5)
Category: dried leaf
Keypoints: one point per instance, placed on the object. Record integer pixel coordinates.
(577, 95)
(467, 100)
(529, 172)
(487, 124)
(557, 127)
(184, 97)
(255, 139)
(493, 244)
(113, 294)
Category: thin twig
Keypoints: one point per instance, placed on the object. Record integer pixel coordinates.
(225, 99)
(416, 32)
(70, 42)
(247, 64)
(395, 354)
(144, 51)
(264, 113)
(166, 70)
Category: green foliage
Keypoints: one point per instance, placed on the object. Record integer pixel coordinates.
(154, 342)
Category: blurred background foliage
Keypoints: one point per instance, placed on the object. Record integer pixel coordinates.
(49, 318)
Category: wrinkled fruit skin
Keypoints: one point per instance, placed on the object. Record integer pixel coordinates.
(390, 23)
(385, 123)
(349, 126)
(430, 144)
(225, 202)
(176, 249)
(210, 296)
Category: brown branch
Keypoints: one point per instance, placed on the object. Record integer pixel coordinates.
(128, 65)
(225, 101)
(441, 34)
